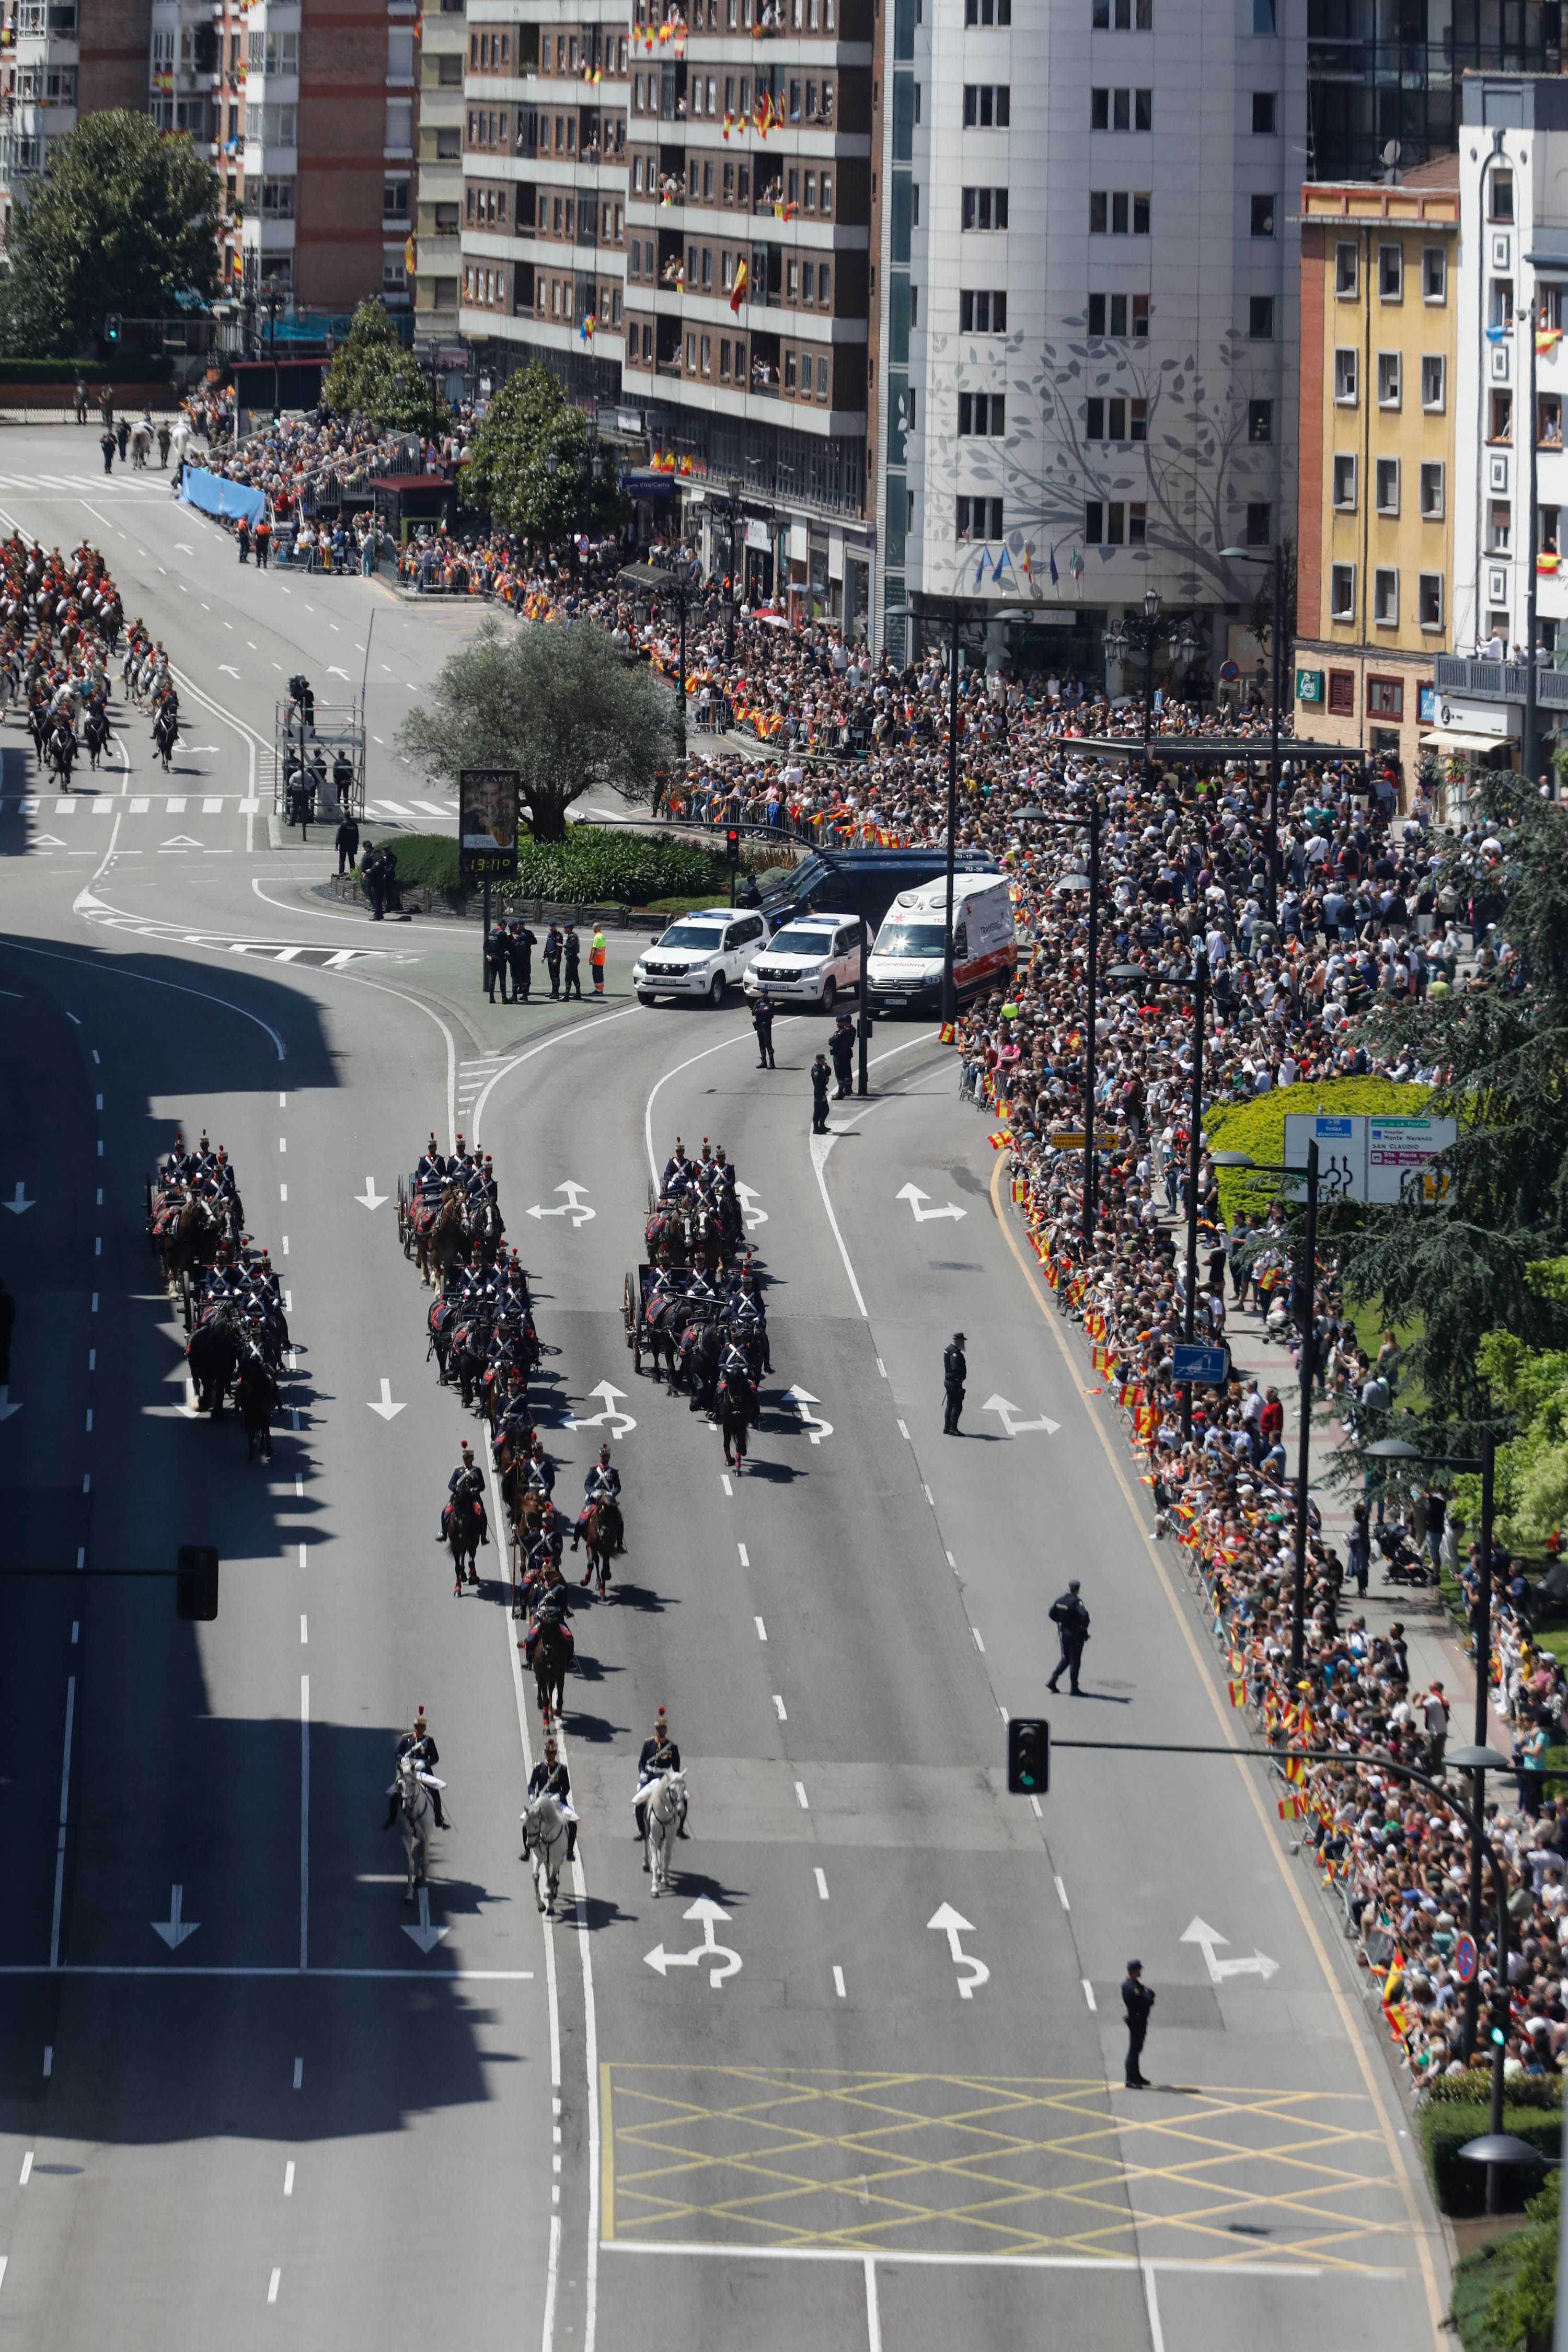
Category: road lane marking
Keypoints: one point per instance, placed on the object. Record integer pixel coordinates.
(1156, 2333)
(273, 2285)
(65, 1810)
(839, 1984)
(304, 1629)
(801, 1798)
(289, 2179)
(1089, 1992)
(822, 1885)
(978, 1642)
(724, 1482)
(745, 1556)
(762, 1628)
(298, 2074)
(779, 1707)
(1062, 1896)
(27, 2169)
(304, 1818)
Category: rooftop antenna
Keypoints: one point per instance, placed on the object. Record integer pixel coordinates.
(1391, 155)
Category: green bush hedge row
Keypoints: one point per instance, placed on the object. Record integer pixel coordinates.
(595, 865)
(1460, 2186)
(1257, 1128)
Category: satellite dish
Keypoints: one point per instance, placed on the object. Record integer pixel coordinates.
(1392, 153)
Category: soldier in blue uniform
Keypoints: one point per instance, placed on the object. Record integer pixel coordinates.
(602, 1479)
(659, 1755)
(550, 1778)
(427, 1756)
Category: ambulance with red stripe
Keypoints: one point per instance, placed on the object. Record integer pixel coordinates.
(903, 971)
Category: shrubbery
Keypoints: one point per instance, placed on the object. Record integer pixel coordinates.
(1257, 1127)
(594, 865)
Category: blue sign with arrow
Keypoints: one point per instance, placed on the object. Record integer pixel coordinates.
(1206, 1367)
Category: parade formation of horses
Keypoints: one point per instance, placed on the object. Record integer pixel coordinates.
(696, 1307)
(231, 1300)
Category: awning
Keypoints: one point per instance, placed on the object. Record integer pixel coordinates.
(1442, 738)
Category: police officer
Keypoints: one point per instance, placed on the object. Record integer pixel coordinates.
(521, 945)
(572, 948)
(1137, 2001)
(954, 1374)
(427, 1756)
(659, 1755)
(372, 879)
(762, 1022)
(550, 1778)
(841, 1045)
(1071, 1619)
(553, 957)
(821, 1077)
(346, 844)
(496, 963)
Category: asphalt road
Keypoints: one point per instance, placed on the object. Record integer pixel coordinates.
(881, 2128)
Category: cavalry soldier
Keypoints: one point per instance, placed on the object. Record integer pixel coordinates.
(429, 1164)
(427, 1756)
(601, 1480)
(514, 1423)
(550, 1778)
(749, 1317)
(466, 1484)
(659, 1755)
(541, 1468)
(677, 1169)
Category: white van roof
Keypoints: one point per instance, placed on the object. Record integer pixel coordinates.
(811, 915)
(927, 894)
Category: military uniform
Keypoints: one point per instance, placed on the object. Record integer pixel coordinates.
(659, 1755)
(548, 1779)
(419, 1743)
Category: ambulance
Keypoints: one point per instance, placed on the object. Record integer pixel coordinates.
(903, 972)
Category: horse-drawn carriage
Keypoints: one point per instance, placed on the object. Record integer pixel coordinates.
(187, 1230)
(439, 1230)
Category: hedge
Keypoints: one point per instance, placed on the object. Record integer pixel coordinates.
(595, 865)
(1460, 2186)
(1259, 1127)
(126, 367)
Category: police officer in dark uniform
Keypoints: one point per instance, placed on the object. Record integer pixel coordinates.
(1137, 2001)
(346, 842)
(841, 1045)
(659, 1755)
(521, 945)
(821, 1077)
(550, 1778)
(496, 963)
(762, 1022)
(1071, 1619)
(954, 1374)
(427, 1756)
(553, 944)
(573, 947)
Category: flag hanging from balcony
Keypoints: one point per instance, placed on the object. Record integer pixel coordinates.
(586, 331)
(1547, 339)
(738, 291)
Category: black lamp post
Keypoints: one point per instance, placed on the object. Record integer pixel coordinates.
(679, 579)
(1306, 1322)
(1134, 633)
(1194, 1162)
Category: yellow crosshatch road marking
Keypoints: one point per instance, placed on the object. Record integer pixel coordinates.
(974, 2164)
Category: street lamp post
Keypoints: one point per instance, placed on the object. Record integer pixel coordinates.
(677, 580)
(1306, 1321)
(951, 609)
(1131, 632)
(1276, 556)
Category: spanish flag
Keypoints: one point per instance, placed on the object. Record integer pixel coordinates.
(738, 291)
(1003, 1136)
(1547, 339)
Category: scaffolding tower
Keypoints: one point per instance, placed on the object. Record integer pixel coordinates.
(319, 744)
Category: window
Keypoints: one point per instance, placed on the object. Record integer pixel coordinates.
(448, 145)
(1385, 697)
(1263, 103)
(1260, 420)
(1385, 596)
(1341, 593)
(1121, 109)
(1430, 599)
(1434, 273)
(987, 105)
(1341, 689)
(1142, 109)
(1550, 302)
(1344, 484)
(1549, 420)
(1388, 379)
(1118, 314)
(399, 124)
(395, 199)
(1117, 213)
(1500, 195)
(979, 517)
(1263, 16)
(982, 414)
(1434, 379)
(399, 54)
(987, 11)
(1262, 216)
(1499, 310)
(277, 199)
(983, 313)
(1391, 273)
(1099, 110)
(1432, 492)
(1259, 522)
(1387, 485)
(1260, 319)
(1548, 519)
(1499, 527)
(985, 208)
(1347, 270)
(1499, 417)
(1347, 374)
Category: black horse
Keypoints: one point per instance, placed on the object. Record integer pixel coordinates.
(213, 1352)
(736, 1406)
(468, 1354)
(95, 734)
(165, 733)
(256, 1396)
(698, 1359)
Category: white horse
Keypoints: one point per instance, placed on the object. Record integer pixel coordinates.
(663, 1803)
(546, 1827)
(416, 1815)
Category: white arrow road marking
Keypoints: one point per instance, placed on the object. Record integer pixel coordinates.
(232, 672)
(335, 671)
(611, 1415)
(182, 841)
(815, 1428)
(173, 1929)
(46, 841)
(952, 1923)
(386, 1409)
(577, 1210)
(914, 1196)
(731, 1962)
(8, 1405)
(1013, 1423)
(425, 1936)
(370, 1198)
(18, 1203)
(1259, 1965)
(753, 1214)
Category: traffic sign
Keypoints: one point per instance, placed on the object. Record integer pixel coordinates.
(1465, 1958)
(1207, 1367)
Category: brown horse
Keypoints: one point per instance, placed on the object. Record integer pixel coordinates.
(442, 1241)
(190, 1239)
(604, 1534)
(552, 1654)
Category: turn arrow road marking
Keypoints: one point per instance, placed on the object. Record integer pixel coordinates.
(1012, 1420)
(386, 1409)
(815, 1428)
(173, 1929)
(1259, 1965)
(577, 1210)
(370, 1198)
(753, 1214)
(952, 1923)
(611, 1416)
(731, 1962)
(914, 1196)
(425, 1936)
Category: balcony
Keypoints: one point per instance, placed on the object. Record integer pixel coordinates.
(1496, 681)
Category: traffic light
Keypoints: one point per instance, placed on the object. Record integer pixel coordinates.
(1028, 1755)
(732, 845)
(1500, 2017)
(112, 327)
(195, 1583)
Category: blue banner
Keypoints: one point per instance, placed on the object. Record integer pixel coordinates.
(215, 494)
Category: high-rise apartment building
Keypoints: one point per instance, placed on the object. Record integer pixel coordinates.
(438, 193)
(676, 216)
(1087, 316)
(1391, 69)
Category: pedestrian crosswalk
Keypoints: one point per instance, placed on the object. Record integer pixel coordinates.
(140, 804)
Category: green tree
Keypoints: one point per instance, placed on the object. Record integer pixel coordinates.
(556, 700)
(529, 465)
(1462, 1265)
(123, 218)
(374, 375)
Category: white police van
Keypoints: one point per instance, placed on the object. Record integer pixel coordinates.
(701, 954)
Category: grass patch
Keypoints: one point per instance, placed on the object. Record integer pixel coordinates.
(1504, 2293)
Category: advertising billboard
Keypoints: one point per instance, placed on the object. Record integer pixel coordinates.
(487, 825)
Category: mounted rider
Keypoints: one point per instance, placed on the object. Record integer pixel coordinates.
(550, 1778)
(602, 1484)
(678, 1172)
(466, 1484)
(419, 1743)
(659, 1755)
(514, 1420)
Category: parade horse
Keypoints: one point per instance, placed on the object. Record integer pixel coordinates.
(546, 1834)
(604, 1534)
(736, 1405)
(663, 1323)
(440, 1322)
(213, 1352)
(95, 733)
(548, 1649)
(62, 748)
(662, 1802)
(165, 733)
(256, 1394)
(468, 1354)
(188, 1236)
(698, 1355)
(462, 1522)
(439, 1243)
(486, 1229)
(414, 1815)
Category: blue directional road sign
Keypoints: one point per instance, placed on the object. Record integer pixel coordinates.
(1207, 1367)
